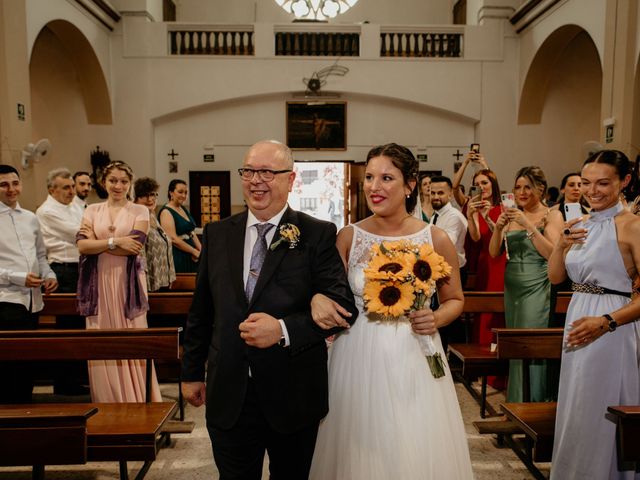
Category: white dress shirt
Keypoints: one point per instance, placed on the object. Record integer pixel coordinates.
(59, 224)
(79, 202)
(21, 251)
(250, 238)
(452, 221)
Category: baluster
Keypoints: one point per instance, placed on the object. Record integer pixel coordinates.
(392, 47)
(423, 51)
(250, 43)
(173, 47)
(430, 45)
(456, 45)
(216, 43)
(207, 43)
(406, 39)
(234, 50)
(416, 45)
(241, 48)
(331, 44)
(287, 43)
(180, 42)
(337, 48)
(346, 44)
(225, 43)
(383, 44)
(446, 44)
(189, 39)
(279, 43)
(441, 46)
(305, 43)
(322, 44)
(355, 45)
(198, 42)
(313, 48)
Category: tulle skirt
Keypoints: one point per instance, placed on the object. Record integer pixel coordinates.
(388, 417)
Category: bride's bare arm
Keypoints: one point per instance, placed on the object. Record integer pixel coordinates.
(325, 312)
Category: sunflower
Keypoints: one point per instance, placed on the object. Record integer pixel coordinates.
(388, 267)
(429, 267)
(391, 299)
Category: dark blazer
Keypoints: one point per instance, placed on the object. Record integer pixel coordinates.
(291, 382)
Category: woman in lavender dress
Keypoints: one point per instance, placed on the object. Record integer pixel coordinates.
(600, 253)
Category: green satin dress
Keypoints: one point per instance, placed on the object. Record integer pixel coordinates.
(527, 300)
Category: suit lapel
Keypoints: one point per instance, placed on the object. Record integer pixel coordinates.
(274, 257)
(236, 253)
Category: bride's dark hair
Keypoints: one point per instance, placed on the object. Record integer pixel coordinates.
(403, 160)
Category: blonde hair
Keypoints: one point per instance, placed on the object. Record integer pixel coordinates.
(117, 165)
(536, 177)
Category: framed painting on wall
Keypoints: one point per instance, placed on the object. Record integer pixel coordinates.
(317, 125)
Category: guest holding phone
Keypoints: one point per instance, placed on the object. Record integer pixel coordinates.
(526, 235)
(483, 210)
(477, 160)
(601, 255)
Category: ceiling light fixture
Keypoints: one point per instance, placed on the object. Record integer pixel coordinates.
(316, 9)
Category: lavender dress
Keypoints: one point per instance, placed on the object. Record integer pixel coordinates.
(601, 373)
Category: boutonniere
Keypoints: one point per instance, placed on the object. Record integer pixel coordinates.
(288, 233)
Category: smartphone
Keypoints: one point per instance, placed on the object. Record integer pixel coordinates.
(475, 148)
(474, 191)
(508, 200)
(571, 211)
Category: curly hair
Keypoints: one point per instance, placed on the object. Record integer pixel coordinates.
(145, 186)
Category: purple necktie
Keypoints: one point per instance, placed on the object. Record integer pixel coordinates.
(257, 258)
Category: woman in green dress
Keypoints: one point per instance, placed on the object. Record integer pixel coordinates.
(179, 225)
(527, 234)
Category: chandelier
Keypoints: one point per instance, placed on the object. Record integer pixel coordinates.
(316, 9)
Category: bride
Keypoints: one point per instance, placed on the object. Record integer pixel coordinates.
(388, 416)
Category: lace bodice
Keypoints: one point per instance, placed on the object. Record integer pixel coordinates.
(360, 253)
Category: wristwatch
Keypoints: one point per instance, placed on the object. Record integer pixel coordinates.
(612, 323)
(111, 244)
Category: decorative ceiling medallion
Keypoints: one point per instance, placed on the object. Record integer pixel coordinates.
(316, 9)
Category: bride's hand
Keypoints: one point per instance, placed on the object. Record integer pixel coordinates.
(328, 314)
(423, 322)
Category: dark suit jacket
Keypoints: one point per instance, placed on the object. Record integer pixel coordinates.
(291, 382)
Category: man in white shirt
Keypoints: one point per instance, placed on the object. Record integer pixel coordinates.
(446, 216)
(60, 218)
(24, 274)
(454, 223)
(82, 188)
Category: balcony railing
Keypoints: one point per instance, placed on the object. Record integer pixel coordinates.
(317, 40)
(211, 40)
(418, 42)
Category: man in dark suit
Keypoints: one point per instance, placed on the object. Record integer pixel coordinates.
(251, 321)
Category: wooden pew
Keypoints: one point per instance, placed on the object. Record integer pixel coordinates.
(120, 432)
(184, 282)
(478, 360)
(162, 304)
(627, 432)
(535, 420)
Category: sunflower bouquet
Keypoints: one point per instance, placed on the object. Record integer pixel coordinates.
(400, 277)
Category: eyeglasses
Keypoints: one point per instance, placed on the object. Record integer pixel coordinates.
(265, 175)
(150, 195)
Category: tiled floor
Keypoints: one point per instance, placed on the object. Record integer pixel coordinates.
(189, 456)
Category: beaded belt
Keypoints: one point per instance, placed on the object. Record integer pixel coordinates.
(596, 289)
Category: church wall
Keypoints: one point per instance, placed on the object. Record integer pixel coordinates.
(230, 127)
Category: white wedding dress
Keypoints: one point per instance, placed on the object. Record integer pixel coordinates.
(389, 419)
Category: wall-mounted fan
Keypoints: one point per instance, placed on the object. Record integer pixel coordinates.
(34, 152)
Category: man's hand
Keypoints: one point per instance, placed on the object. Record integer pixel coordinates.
(260, 330)
(194, 392)
(32, 280)
(50, 285)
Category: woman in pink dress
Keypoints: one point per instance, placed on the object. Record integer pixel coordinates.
(112, 285)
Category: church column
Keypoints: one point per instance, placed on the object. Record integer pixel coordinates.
(618, 71)
(15, 97)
